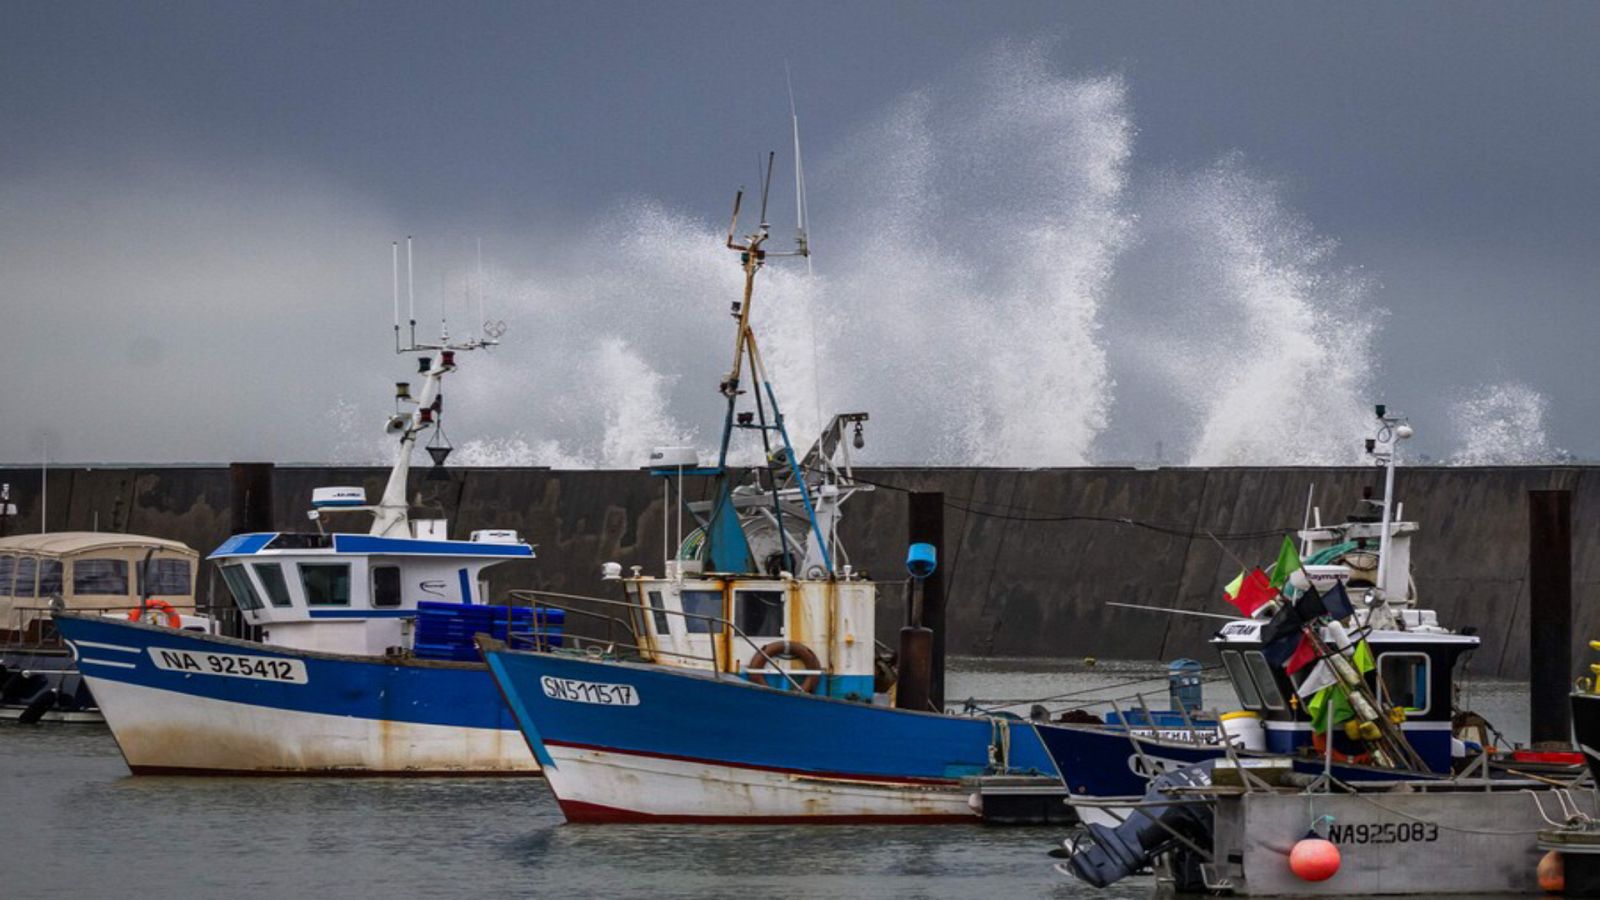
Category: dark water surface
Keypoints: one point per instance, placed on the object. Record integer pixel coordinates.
(73, 823)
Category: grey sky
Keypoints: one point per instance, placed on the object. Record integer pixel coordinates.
(199, 197)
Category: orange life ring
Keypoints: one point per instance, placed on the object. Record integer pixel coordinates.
(174, 620)
(786, 650)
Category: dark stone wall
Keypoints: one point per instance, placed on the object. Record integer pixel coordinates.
(1032, 555)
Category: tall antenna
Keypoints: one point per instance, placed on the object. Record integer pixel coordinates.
(395, 246)
(482, 321)
(411, 291)
(766, 186)
(799, 176)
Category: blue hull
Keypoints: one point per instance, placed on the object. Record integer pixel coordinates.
(629, 742)
(186, 702)
(1100, 762)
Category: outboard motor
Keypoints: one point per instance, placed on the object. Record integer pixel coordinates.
(1102, 855)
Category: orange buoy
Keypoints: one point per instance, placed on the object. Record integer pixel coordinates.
(1314, 859)
(1552, 873)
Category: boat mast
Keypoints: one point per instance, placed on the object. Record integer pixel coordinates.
(752, 256)
(391, 516)
(1395, 429)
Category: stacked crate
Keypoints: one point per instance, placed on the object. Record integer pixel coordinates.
(446, 630)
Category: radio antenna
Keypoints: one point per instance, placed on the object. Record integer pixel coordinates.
(766, 186)
(482, 321)
(395, 246)
(799, 176)
(411, 290)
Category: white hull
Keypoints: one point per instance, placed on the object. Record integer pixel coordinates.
(166, 732)
(607, 786)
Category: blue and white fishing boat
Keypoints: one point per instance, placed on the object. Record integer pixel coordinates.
(1413, 676)
(365, 664)
(752, 689)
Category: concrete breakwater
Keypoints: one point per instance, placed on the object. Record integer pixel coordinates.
(1032, 556)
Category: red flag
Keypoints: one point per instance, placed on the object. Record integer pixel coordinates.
(1305, 653)
(1255, 592)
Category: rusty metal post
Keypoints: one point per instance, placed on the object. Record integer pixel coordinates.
(1549, 616)
(927, 527)
(250, 499)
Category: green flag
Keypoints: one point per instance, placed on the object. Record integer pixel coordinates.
(1334, 698)
(1288, 561)
(1362, 658)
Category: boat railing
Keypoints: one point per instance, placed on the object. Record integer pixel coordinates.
(770, 666)
(32, 628)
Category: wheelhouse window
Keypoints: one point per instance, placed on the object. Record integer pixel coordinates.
(165, 576)
(1243, 684)
(8, 565)
(100, 576)
(272, 580)
(1266, 681)
(27, 569)
(759, 613)
(326, 584)
(49, 577)
(696, 606)
(244, 593)
(1404, 677)
(385, 587)
(658, 612)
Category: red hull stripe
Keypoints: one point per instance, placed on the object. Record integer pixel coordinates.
(836, 776)
(594, 814)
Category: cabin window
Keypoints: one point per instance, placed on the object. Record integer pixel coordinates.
(759, 613)
(385, 586)
(277, 587)
(27, 566)
(166, 576)
(326, 584)
(1243, 684)
(49, 577)
(244, 593)
(1404, 677)
(699, 604)
(1266, 681)
(7, 565)
(100, 576)
(658, 611)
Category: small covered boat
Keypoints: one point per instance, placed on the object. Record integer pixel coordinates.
(99, 573)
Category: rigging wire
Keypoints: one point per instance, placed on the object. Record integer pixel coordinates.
(1011, 513)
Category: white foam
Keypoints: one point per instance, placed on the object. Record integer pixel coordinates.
(1502, 424)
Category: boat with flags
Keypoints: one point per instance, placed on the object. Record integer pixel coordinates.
(1364, 781)
(365, 663)
(750, 687)
(1334, 664)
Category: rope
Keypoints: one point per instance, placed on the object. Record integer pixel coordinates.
(1004, 701)
(1011, 513)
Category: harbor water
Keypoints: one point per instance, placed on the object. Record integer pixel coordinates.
(74, 823)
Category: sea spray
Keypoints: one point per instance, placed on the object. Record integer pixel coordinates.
(1242, 318)
(1501, 424)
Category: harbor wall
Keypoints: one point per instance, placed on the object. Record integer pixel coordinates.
(1033, 556)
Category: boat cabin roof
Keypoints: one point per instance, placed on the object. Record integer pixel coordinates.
(72, 543)
(314, 543)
